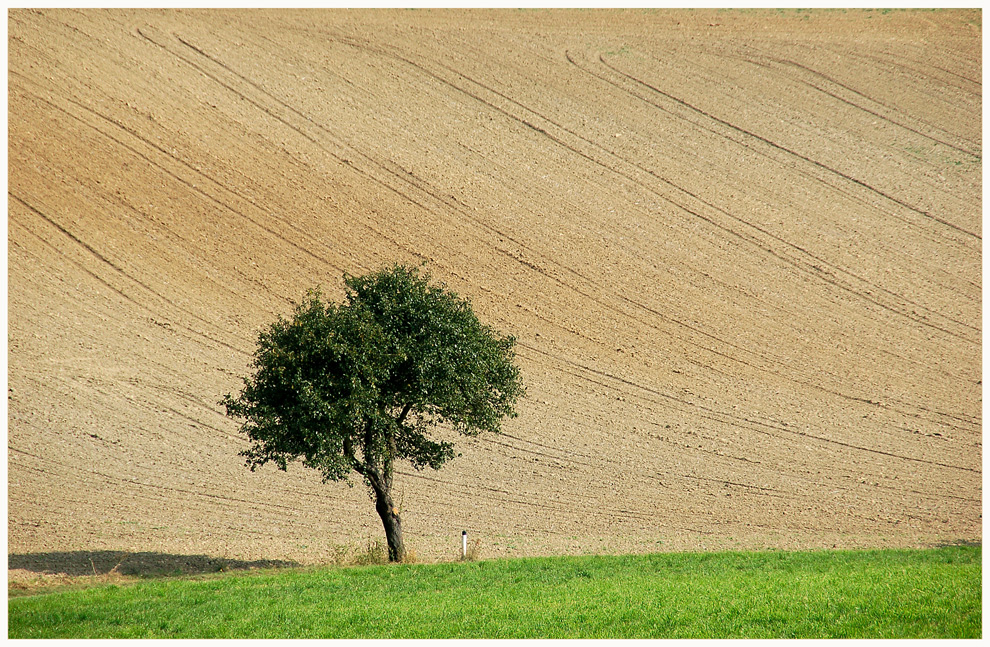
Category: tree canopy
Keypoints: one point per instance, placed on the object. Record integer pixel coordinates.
(355, 386)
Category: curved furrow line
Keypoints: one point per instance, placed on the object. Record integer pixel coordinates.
(299, 130)
(955, 55)
(977, 82)
(864, 449)
(973, 421)
(574, 461)
(829, 484)
(565, 506)
(104, 260)
(198, 424)
(192, 399)
(200, 499)
(806, 266)
(932, 496)
(815, 385)
(793, 153)
(565, 502)
(803, 382)
(64, 468)
(681, 405)
(623, 467)
(510, 498)
(570, 362)
(234, 271)
(574, 330)
(967, 427)
(678, 403)
(742, 142)
(558, 449)
(391, 170)
(853, 54)
(364, 46)
(760, 490)
(306, 119)
(755, 490)
(757, 425)
(343, 160)
(761, 427)
(83, 484)
(619, 466)
(214, 78)
(909, 71)
(815, 74)
(917, 318)
(964, 424)
(186, 182)
(848, 194)
(812, 268)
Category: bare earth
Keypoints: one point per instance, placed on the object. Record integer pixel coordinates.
(741, 251)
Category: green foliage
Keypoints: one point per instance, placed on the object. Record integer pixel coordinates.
(354, 386)
(845, 594)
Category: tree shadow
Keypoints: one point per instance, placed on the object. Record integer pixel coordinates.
(100, 562)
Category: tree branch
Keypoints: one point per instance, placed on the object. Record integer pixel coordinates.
(355, 463)
(387, 462)
(369, 444)
(405, 412)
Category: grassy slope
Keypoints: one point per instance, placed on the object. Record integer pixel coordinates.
(929, 593)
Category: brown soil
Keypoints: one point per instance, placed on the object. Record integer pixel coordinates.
(741, 251)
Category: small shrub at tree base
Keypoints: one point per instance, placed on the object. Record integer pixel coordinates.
(374, 553)
(353, 387)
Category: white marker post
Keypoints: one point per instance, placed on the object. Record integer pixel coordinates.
(464, 544)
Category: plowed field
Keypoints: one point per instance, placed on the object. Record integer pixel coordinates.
(741, 251)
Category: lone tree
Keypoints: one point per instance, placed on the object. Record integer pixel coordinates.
(359, 385)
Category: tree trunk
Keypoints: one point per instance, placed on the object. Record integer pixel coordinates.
(393, 525)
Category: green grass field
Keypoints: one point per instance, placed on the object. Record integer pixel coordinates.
(846, 594)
